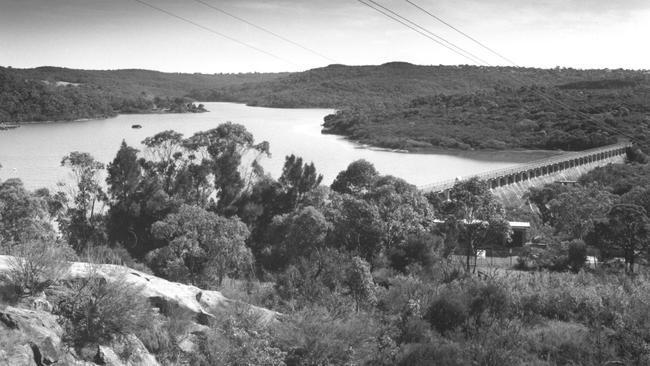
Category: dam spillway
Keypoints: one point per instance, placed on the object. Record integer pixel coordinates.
(567, 166)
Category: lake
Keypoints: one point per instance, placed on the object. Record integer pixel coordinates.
(33, 152)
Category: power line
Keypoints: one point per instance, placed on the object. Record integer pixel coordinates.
(461, 32)
(215, 32)
(417, 30)
(473, 57)
(266, 31)
(540, 94)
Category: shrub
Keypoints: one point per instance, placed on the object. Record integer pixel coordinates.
(577, 255)
(421, 249)
(165, 332)
(447, 313)
(118, 255)
(94, 310)
(487, 298)
(239, 338)
(37, 265)
(560, 342)
(317, 337)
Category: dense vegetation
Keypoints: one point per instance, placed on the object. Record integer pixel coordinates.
(54, 94)
(504, 118)
(368, 271)
(392, 84)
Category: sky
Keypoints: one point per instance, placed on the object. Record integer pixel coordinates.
(118, 34)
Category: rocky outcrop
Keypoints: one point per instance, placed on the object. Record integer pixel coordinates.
(30, 334)
(33, 336)
(202, 303)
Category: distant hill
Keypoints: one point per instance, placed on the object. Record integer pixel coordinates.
(339, 86)
(54, 93)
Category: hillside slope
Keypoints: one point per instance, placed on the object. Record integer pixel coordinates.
(60, 94)
(339, 86)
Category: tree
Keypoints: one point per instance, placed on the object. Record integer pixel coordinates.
(473, 214)
(82, 223)
(300, 234)
(124, 174)
(200, 245)
(573, 211)
(628, 229)
(357, 178)
(24, 216)
(223, 149)
(123, 180)
(356, 226)
(298, 178)
(360, 283)
(403, 209)
(540, 197)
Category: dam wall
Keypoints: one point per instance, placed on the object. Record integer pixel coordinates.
(510, 184)
(511, 195)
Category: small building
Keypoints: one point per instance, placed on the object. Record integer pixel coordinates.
(519, 233)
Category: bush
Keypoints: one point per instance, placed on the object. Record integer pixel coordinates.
(37, 265)
(238, 339)
(118, 255)
(562, 343)
(447, 313)
(423, 250)
(487, 298)
(165, 332)
(94, 310)
(577, 255)
(317, 337)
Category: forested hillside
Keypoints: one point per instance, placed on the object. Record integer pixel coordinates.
(54, 94)
(503, 118)
(339, 86)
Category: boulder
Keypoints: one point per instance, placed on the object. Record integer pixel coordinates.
(127, 351)
(39, 331)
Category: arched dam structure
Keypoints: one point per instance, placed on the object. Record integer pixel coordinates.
(510, 184)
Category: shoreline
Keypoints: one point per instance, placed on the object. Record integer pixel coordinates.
(18, 124)
(515, 155)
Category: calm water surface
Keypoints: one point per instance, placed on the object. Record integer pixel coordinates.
(33, 152)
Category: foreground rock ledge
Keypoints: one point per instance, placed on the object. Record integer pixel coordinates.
(202, 303)
(37, 334)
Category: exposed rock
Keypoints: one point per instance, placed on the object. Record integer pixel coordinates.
(17, 356)
(128, 351)
(203, 303)
(40, 330)
(36, 336)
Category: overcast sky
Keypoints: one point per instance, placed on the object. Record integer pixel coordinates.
(113, 34)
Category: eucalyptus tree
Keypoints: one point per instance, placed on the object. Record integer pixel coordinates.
(473, 215)
(82, 223)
